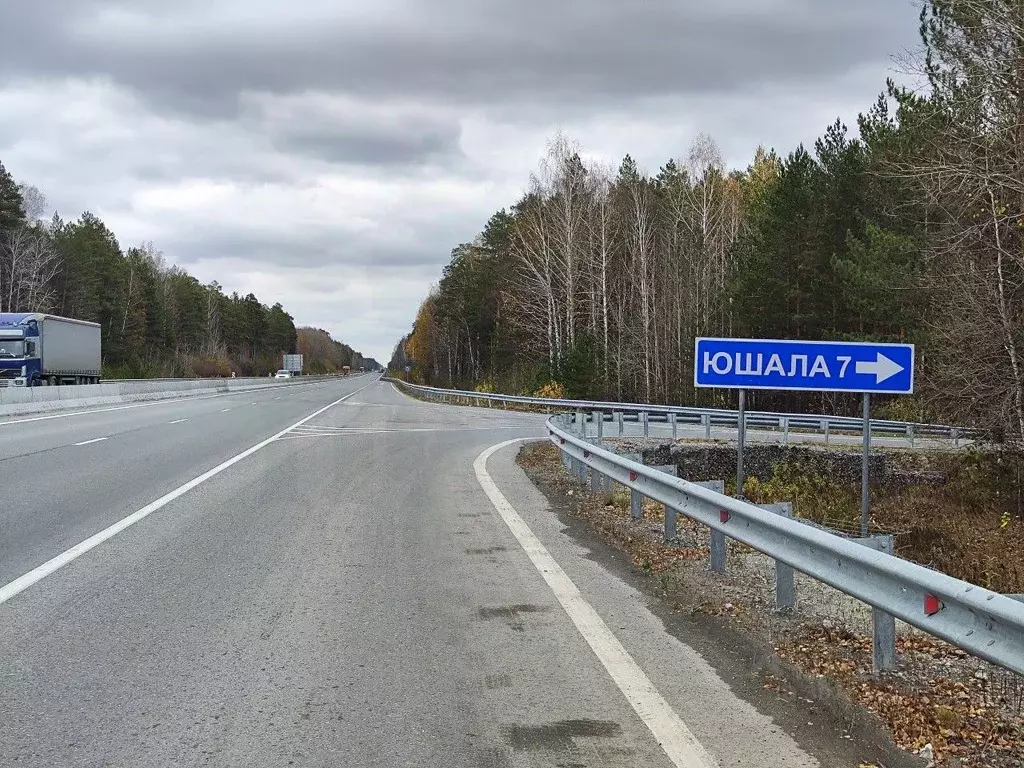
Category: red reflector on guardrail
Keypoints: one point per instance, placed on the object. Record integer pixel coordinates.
(723, 516)
(632, 475)
(932, 605)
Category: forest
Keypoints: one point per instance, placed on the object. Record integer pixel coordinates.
(906, 227)
(157, 319)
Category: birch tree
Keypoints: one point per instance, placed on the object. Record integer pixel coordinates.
(28, 265)
(973, 171)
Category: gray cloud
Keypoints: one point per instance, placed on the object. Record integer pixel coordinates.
(460, 51)
(317, 149)
(375, 149)
(314, 247)
(342, 130)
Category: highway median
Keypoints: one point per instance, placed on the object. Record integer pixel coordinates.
(16, 401)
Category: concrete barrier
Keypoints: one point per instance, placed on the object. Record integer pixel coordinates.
(23, 400)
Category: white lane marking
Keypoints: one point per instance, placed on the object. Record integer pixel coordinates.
(225, 410)
(668, 728)
(39, 573)
(90, 442)
(253, 403)
(313, 430)
(69, 414)
(298, 435)
(177, 421)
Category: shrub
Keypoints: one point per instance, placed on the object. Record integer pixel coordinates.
(211, 367)
(552, 390)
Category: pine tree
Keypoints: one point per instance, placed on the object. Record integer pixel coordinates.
(12, 207)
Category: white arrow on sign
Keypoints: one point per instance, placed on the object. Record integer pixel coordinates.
(882, 367)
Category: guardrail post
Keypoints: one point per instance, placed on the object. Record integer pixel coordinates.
(883, 625)
(785, 582)
(596, 480)
(824, 428)
(599, 419)
(619, 419)
(910, 434)
(636, 498)
(705, 419)
(956, 437)
(785, 430)
(647, 429)
(718, 547)
(675, 431)
(670, 513)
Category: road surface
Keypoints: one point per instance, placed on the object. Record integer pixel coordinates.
(331, 575)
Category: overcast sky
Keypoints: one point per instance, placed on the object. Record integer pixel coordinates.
(328, 154)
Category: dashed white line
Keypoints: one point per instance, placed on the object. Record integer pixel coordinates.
(90, 442)
(668, 728)
(39, 573)
(177, 421)
(225, 410)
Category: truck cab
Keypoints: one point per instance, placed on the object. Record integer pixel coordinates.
(20, 364)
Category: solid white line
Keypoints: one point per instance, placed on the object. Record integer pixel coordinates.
(90, 442)
(225, 410)
(177, 421)
(668, 728)
(39, 573)
(342, 431)
(299, 434)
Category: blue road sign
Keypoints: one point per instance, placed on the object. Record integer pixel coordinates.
(820, 366)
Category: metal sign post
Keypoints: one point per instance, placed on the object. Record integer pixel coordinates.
(865, 456)
(741, 438)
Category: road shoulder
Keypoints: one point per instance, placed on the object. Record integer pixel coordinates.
(716, 678)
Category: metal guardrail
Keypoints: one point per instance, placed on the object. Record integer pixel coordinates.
(713, 417)
(984, 623)
(236, 378)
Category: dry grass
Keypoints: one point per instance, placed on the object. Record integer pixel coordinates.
(969, 527)
(969, 711)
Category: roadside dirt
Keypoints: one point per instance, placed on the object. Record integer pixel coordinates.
(940, 702)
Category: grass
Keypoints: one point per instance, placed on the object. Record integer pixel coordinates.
(970, 527)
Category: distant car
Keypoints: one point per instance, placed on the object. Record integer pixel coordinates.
(283, 375)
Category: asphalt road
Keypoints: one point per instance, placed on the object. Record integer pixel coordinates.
(362, 589)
